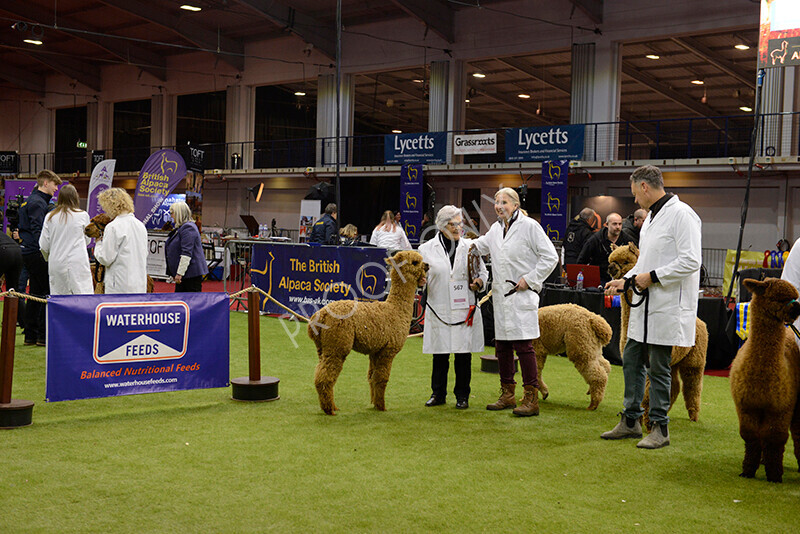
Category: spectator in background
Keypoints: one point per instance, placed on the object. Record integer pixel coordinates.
(427, 229)
(123, 248)
(389, 235)
(325, 229)
(350, 236)
(31, 220)
(579, 230)
(186, 262)
(10, 262)
(633, 224)
(63, 245)
(597, 248)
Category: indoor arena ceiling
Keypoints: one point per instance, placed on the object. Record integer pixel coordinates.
(81, 36)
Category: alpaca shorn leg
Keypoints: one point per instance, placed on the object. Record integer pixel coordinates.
(325, 377)
(541, 359)
(380, 367)
(692, 378)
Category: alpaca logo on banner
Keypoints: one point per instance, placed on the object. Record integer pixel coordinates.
(411, 200)
(554, 197)
(140, 331)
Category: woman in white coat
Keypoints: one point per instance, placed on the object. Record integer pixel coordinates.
(452, 319)
(63, 245)
(522, 258)
(389, 235)
(123, 248)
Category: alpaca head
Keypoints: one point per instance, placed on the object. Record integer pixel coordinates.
(407, 265)
(622, 259)
(774, 298)
(97, 226)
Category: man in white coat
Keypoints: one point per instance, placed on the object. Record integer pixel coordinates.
(453, 321)
(669, 269)
(522, 258)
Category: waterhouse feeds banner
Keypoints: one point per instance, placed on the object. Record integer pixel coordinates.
(306, 278)
(109, 345)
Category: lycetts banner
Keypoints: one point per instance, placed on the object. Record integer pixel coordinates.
(429, 147)
(541, 143)
(109, 345)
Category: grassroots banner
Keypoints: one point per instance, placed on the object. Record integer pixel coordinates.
(483, 143)
(411, 200)
(109, 345)
(554, 198)
(102, 176)
(430, 147)
(306, 278)
(160, 174)
(540, 143)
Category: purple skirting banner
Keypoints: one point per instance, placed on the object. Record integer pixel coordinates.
(109, 345)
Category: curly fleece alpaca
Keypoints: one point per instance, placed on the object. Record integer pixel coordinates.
(582, 335)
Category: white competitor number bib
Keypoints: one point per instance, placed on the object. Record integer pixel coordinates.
(459, 295)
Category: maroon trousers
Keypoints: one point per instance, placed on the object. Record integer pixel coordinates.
(504, 350)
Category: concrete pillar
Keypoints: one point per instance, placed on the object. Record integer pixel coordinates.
(163, 120)
(240, 124)
(771, 102)
(446, 108)
(326, 119)
(595, 96)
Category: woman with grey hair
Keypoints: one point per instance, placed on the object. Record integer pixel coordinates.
(186, 262)
(453, 321)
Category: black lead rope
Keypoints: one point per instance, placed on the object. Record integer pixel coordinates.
(425, 305)
(630, 283)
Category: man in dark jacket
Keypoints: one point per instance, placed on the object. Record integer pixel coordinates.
(325, 230)
(598, 247)
(632, 224)
(578, 231)
(31, 220)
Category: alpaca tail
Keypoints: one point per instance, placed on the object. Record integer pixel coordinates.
(601, 329)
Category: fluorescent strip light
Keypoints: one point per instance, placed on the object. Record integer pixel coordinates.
(698, 82)
(187, 7)
(652, 56)
(397, 131)
(299, 93)
(478, 75)
(742, 46)
(746, 109)
(523, 96)
(33, 42)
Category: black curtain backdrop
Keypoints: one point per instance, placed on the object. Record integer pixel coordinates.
(364, 199)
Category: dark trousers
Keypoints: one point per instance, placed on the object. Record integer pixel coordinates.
(504, 350)
(463, 366)
(40, 287)
(11, 266)
(190, 285)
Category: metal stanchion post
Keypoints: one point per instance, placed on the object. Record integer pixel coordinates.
(254, 387)
(13, 412)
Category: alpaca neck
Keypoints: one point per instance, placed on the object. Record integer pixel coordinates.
(401, 292)
(766, 332)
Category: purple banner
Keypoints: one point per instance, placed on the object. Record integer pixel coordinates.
(109, 345)
(306, 278)
(411, 206)
(160, 174)
(554, 198)
(102, 176)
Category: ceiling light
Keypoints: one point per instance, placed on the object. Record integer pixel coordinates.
(698, 82)
(397, 131)
(478, 75)
(523, 96)
(299, 93)
(652, 56)
(741, 46)
(746, 109)
(36, 42)
(417, 80)
(187, 7)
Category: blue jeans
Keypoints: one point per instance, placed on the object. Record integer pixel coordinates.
(634, 358)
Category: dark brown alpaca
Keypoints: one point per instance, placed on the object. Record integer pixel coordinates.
(765, 379)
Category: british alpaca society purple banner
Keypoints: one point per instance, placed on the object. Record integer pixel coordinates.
(109, 345)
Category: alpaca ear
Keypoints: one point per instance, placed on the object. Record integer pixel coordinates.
(633, 248)
(754, 286)
(614, 246)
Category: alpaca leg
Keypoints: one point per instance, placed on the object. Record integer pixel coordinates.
(380, 369)
(646, 405)
(773, 456)
(541, 359)
(325, 376)
(675, 387)
(795, 428)
(692, 378)
(595, 374)
(748, 424)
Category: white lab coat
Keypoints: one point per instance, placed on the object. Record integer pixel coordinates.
(670, 245)
(438, 337)
(123, 250)
(791, 273)
(63, 245)
(525, 252)
(396, 240)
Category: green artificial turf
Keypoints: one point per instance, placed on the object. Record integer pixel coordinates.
(196, 461)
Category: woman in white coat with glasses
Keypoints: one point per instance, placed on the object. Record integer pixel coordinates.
(453, 321)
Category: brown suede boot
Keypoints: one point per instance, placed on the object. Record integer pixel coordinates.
(506, 399)
(529, 404)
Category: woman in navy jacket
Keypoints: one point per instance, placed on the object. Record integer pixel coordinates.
(186, 262)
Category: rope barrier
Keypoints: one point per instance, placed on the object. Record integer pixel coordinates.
(12, 293)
